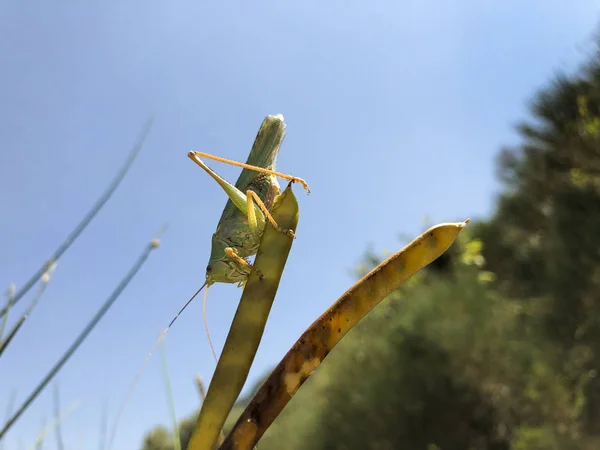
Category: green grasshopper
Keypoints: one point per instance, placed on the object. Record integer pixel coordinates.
(243, 219)
(245, 214)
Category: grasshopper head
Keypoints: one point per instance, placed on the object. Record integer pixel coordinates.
(222, 269)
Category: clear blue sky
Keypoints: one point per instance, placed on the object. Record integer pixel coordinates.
(395, 111)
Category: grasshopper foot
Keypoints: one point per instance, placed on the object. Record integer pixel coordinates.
(258, 272)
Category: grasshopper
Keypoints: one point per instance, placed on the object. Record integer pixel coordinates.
(243, 219)
(245, 214)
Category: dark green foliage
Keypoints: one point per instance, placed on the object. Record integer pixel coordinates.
(543, 240)
(158, 439)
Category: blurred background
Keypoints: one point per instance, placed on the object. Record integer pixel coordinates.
(399, 115)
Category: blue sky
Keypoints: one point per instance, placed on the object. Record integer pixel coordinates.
(395, 111)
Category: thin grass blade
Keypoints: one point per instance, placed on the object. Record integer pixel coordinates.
(60, 444)
(17, 326)
(39, 442)
(170, 399)
(10, 299)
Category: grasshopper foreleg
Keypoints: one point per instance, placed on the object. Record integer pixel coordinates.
(252, 197)
(230, 251)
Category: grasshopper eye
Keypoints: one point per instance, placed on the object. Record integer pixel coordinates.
(208, 269)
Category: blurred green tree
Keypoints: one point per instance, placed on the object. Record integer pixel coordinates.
(543, 240)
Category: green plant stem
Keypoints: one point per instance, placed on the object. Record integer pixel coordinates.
(247, 326)
(9, 409)
(55, 423)
(9, 302)
(58, 432)
(17, 326)
(170, 400)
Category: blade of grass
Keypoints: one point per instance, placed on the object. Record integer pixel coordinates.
(10, 294)
(248, 325)
(103, 427)
(170, 400)
(57, 432)
(88, 217)
(201, 387)
(39, 443)
(90, 326)
(46, 429)
(9, 409)
(320, 338)
(17, 326)
(202, 392)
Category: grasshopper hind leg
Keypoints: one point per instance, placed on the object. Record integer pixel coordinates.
(251, 198)
(290, 178)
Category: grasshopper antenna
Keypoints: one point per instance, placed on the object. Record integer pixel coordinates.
(141, 369)
(206, 324)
